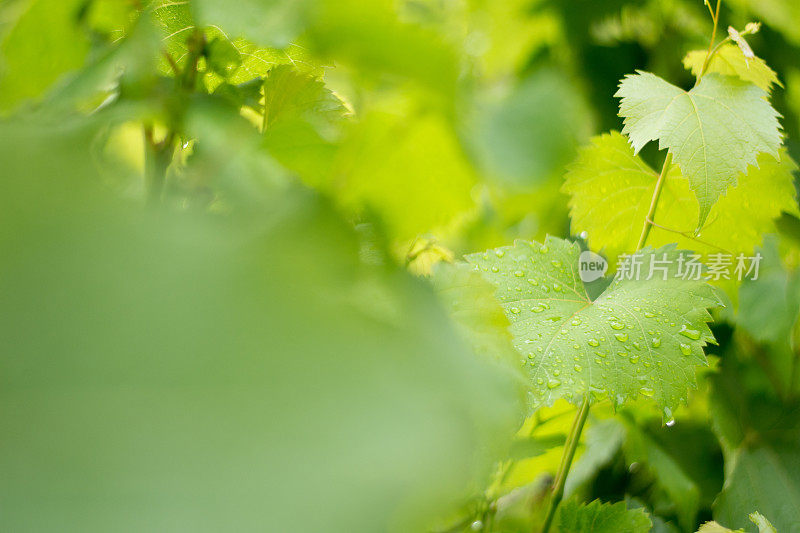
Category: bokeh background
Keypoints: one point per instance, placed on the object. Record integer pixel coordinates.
(226, 297)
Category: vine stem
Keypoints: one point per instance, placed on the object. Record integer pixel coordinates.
(711, 49)
(580, 418)
(648, 221)
(566, 461)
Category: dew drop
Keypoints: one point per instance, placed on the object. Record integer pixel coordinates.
(578, 368)
(617, 325)
(545, 288)
(634, 358)
(495, 270)
(686, 349)
(593, 342)
(515, 310)
(621, 337)
(533, 282)
(519, 273)
(553, 383)
(649, 314)
(556, 263)
(499, 253)
(689, 333)
(537, 309)
(656, 342)
(544, 249)
(576, 322)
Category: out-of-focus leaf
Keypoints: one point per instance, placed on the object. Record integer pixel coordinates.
(46, 42)
(527, 134)
(222, 56)
(303, 122)
(412, 173)
(598, 517)
(535, 446)
(603, 440)
(681, 489)
(470, 301)
(176, 371)
(769, 306)
(761, 441)
(269, 22)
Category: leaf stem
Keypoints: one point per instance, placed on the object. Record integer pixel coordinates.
(158, 157)
(711, 48)
(648, 221)
(566, 461)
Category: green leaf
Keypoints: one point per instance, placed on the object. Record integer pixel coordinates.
(714, 131)
(729, 61)
(222, 57)
(269, 22)
(46, 42)
(611, 189)
(534, 446)
(471, 303)
(679, 487)
(513, 134)
(293, 95)
(769, 306)
(407, 167)
(597, 517)
(204, 372)
(759, 436)
(713, 527)
(638, 337)
(303, 122)
(602, 442)
(765, 478)
(764, 525)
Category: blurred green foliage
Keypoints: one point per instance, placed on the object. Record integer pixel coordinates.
(214, 220)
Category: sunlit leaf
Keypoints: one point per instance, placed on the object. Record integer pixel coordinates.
(714, 131)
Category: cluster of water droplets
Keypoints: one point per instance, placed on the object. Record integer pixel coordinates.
(630, 334)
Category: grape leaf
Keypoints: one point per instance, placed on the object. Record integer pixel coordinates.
(639, 337)
(769, 306)
(714, 131)
(303, 122)
(764, 525)
(408, 167)
(270, 22)
(46, 42)
(597, 517)
(641, 448)
(759, 436)
(471, 303)
(602, 442)
(729, 61)
(611, 189)
(186, 354)
(713, 527)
